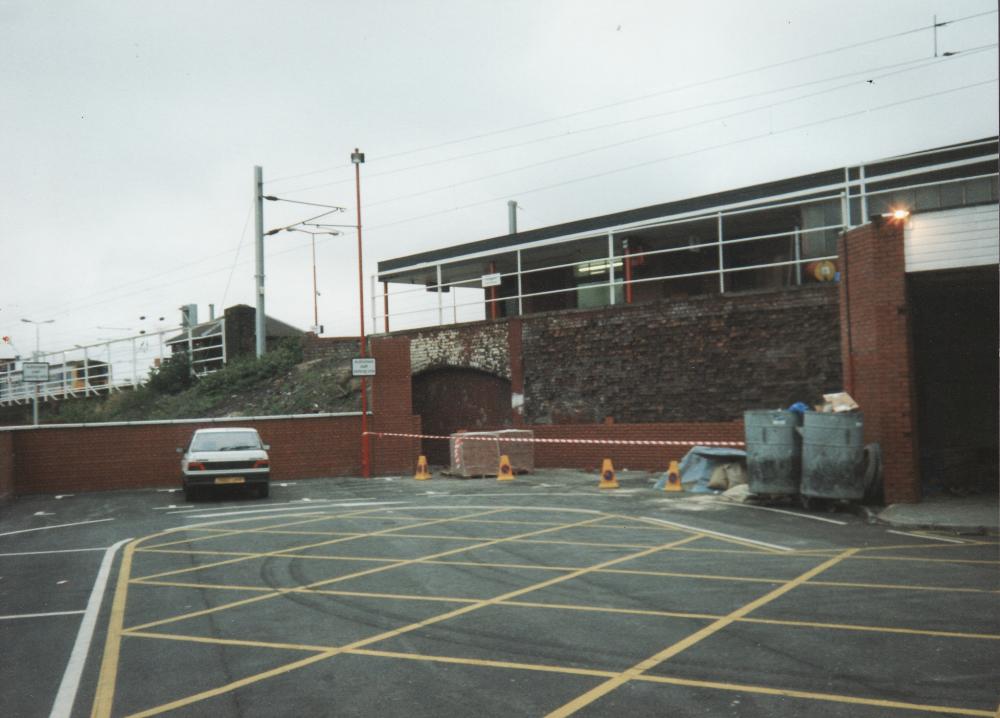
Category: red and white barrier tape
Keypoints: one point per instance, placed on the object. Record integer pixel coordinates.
(619, 442)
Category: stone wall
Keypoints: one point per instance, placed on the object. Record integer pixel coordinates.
(706, 358)
(478, 345)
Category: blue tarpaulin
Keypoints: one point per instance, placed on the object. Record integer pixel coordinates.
(699, 463)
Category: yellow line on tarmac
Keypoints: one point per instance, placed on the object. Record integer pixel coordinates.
(287, 668)
(104, 694)
(921, 559)
(313, 516)
(901, 587)
(682, 645)
(485, 663)
(873, 629)
(404, 629)
(105, 691)
(280, 552)
(227, 641)
(282, 591)
(809, 695)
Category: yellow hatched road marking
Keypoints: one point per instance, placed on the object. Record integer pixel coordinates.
(597, 673)
(404, 629)
(312, 517)
(682, 645)
(284, 551)
(290, 553)
(104, 694)
(810, 695)
(282, 591)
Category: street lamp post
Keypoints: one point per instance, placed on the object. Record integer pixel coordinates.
(36, 356)
(357, 158)
(312, 236)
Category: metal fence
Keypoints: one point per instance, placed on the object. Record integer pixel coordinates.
(733, 257)
(113, 365)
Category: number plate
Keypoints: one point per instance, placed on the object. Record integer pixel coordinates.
(230, 480)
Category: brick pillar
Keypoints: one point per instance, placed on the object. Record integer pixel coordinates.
(877, 350)
(6, 465)
(392, 407)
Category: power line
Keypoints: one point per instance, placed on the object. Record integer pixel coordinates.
(658, 93)
(660, 133)
(617, 123)
(723, 145)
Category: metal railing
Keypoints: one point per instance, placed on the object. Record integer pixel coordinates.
(116, 364)
(426, 305)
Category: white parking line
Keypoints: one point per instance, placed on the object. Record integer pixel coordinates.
(45, 553)
(40, 615)
(57, 526)
(790, 513)
(925, 536)
(708, 532)
(63, 705)
(311, 507)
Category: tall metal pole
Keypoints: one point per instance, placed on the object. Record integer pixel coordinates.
(258, 192)
(315, 293)
(357, 157)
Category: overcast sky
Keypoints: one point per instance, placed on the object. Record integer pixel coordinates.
(130, 130)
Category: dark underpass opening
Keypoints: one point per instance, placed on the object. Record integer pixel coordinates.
(453, 399)
(955, 339)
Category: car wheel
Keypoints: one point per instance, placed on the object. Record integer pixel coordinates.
(189, 493)
(263, 491)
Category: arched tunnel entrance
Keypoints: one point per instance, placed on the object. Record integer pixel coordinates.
(451, 398)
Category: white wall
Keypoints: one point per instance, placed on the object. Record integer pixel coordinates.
(965, 237)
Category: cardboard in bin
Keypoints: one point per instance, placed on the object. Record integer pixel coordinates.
(477, 453)
(838, 402)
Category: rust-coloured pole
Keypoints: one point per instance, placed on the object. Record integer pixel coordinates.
(357, 158)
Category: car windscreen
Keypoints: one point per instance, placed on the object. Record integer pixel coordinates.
(226, 441)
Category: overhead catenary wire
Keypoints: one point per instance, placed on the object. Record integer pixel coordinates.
(646, 96)
(659, 133)
(723, 145)
(114, 291)
(632, 120)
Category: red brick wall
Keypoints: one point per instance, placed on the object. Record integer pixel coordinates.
(57, 459)
(6, 466)
(392, 408)
(651, 458)
(134, 456)
(877, 351)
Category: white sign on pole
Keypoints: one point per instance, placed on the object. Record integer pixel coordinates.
(491, 280)
(363, 367)
(35, 371)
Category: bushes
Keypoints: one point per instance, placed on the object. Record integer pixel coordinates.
(172, 377)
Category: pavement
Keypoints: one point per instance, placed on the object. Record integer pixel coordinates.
(978, 514)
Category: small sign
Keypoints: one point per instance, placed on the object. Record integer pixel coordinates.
(35, 371)
(363, 367)
(491, 280)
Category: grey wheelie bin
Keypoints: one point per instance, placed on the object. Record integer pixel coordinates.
(833, 464)
(774, 451)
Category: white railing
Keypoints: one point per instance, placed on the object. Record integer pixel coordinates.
(116, 364)
(425, 305)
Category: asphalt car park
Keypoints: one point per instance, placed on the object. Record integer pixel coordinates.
(540, 596)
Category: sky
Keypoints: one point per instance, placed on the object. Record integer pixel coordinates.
(130, 131)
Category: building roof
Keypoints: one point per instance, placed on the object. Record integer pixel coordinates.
(966, 157)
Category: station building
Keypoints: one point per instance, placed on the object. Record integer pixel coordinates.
(879, 279)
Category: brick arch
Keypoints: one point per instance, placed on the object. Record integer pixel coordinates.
(450, 398)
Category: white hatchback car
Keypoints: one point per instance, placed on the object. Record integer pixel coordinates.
(221, 457)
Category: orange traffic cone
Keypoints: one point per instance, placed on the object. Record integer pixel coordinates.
(608, 480)
(505, 472)
(673, 482)
(423, 473)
